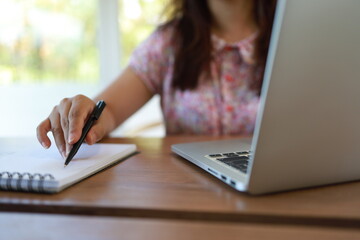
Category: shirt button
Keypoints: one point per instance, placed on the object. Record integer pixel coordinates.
(229, 108)
(229, 78)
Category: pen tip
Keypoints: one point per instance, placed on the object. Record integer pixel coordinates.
(65, 165)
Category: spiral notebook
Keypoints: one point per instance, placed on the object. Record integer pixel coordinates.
(30, 168)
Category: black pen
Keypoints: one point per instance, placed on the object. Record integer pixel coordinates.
(100, 105)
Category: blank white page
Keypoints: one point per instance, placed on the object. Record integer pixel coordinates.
(32, 158)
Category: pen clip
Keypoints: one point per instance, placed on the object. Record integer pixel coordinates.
(100, 105)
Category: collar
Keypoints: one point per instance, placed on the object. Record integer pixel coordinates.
(245, 46)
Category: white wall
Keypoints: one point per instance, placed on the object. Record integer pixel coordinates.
(23, 107)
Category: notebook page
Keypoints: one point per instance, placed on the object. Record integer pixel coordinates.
(35, 159)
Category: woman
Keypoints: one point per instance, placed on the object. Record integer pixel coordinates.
(206, 62)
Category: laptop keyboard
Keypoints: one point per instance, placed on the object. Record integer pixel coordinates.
(238, 160)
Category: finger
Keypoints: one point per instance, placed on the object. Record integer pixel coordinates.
(57, 132)
(99, 129)
(94, 135)
(64, 109)
(41, 133)
(78, 115)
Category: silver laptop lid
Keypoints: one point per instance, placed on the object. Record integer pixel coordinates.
(308, 126)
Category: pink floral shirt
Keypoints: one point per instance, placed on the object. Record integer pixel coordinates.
(222, 103)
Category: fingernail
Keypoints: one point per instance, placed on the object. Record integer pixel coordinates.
(71, 138)
(44, 145)
(90, 138)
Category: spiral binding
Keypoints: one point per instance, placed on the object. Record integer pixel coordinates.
(21, 178)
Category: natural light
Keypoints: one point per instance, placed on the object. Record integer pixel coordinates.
(56, 49)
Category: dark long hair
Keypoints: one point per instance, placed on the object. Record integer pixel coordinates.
(192, 20)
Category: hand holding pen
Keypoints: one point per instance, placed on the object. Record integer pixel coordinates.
(89, 123)
(66, 122)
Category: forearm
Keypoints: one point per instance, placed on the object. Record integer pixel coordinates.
(123, 98)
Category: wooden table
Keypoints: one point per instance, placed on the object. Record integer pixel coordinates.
(17, 226)
(156, 184)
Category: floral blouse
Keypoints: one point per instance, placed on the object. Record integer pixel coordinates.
(222, 103)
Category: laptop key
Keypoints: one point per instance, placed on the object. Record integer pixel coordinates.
(229, 159)
(243, 152)
(241, 167)
(229, 154)
(244, 170)
(238, 162)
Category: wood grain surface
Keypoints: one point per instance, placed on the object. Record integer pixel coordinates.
(155, 183)
(58, 227)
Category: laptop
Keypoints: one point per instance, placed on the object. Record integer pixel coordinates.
(307, 131)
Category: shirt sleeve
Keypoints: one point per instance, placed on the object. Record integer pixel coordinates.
(150, 60)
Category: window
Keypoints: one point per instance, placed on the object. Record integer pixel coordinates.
(137, 20)
(48, 41)
(52, 49)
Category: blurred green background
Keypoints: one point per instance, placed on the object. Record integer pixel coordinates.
(56, 40)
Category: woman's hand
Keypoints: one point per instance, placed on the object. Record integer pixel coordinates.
(123, 97)
(66, 122)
